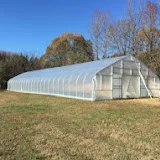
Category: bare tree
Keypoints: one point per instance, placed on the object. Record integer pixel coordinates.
(105, 33)
(134, 26)
(124, 32)
(119, 37)
(151, 22)
(95, 33)
(99, 32)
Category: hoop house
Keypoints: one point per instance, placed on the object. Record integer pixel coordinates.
(112, 78)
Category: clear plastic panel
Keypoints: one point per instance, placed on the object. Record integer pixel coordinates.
(72, 85)
(117, 70)
(157, 83)
(43, 85)
(117, 65)
(126, 71)
(50, 86)
(66, 84)
(88, 86)
(80, 85)
(151, 83)
(135, 72)
(60, 85)
(129, 64)
(143, 92)
(106, 82)
(56, 87)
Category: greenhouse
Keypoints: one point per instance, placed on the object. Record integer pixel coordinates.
(112, 78)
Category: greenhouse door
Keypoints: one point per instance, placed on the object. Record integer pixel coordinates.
(117, 87)
(130, 86)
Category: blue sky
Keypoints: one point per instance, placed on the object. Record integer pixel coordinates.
(31, 25)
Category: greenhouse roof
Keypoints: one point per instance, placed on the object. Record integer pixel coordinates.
(92, 67)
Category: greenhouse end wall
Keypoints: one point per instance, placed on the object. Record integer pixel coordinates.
(122, 80)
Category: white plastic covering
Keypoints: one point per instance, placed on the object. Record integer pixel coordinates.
(98, 80)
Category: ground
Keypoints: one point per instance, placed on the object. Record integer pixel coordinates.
(47, 127)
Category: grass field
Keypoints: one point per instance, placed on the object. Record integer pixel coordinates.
(45, 127)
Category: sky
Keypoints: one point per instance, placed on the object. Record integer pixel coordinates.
(29, 26)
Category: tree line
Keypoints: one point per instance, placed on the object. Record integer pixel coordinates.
(12, 64)
(137, 33)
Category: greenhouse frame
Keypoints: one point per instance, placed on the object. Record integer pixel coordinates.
(112, 78)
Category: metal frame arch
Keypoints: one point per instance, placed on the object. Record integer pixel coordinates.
(91, 83)
(69, 82)
(64, 82)
(84, 82)
(60, 76)
(77, 81)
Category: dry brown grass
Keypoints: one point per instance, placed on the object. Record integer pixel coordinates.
(45, 127)
(10, 97)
